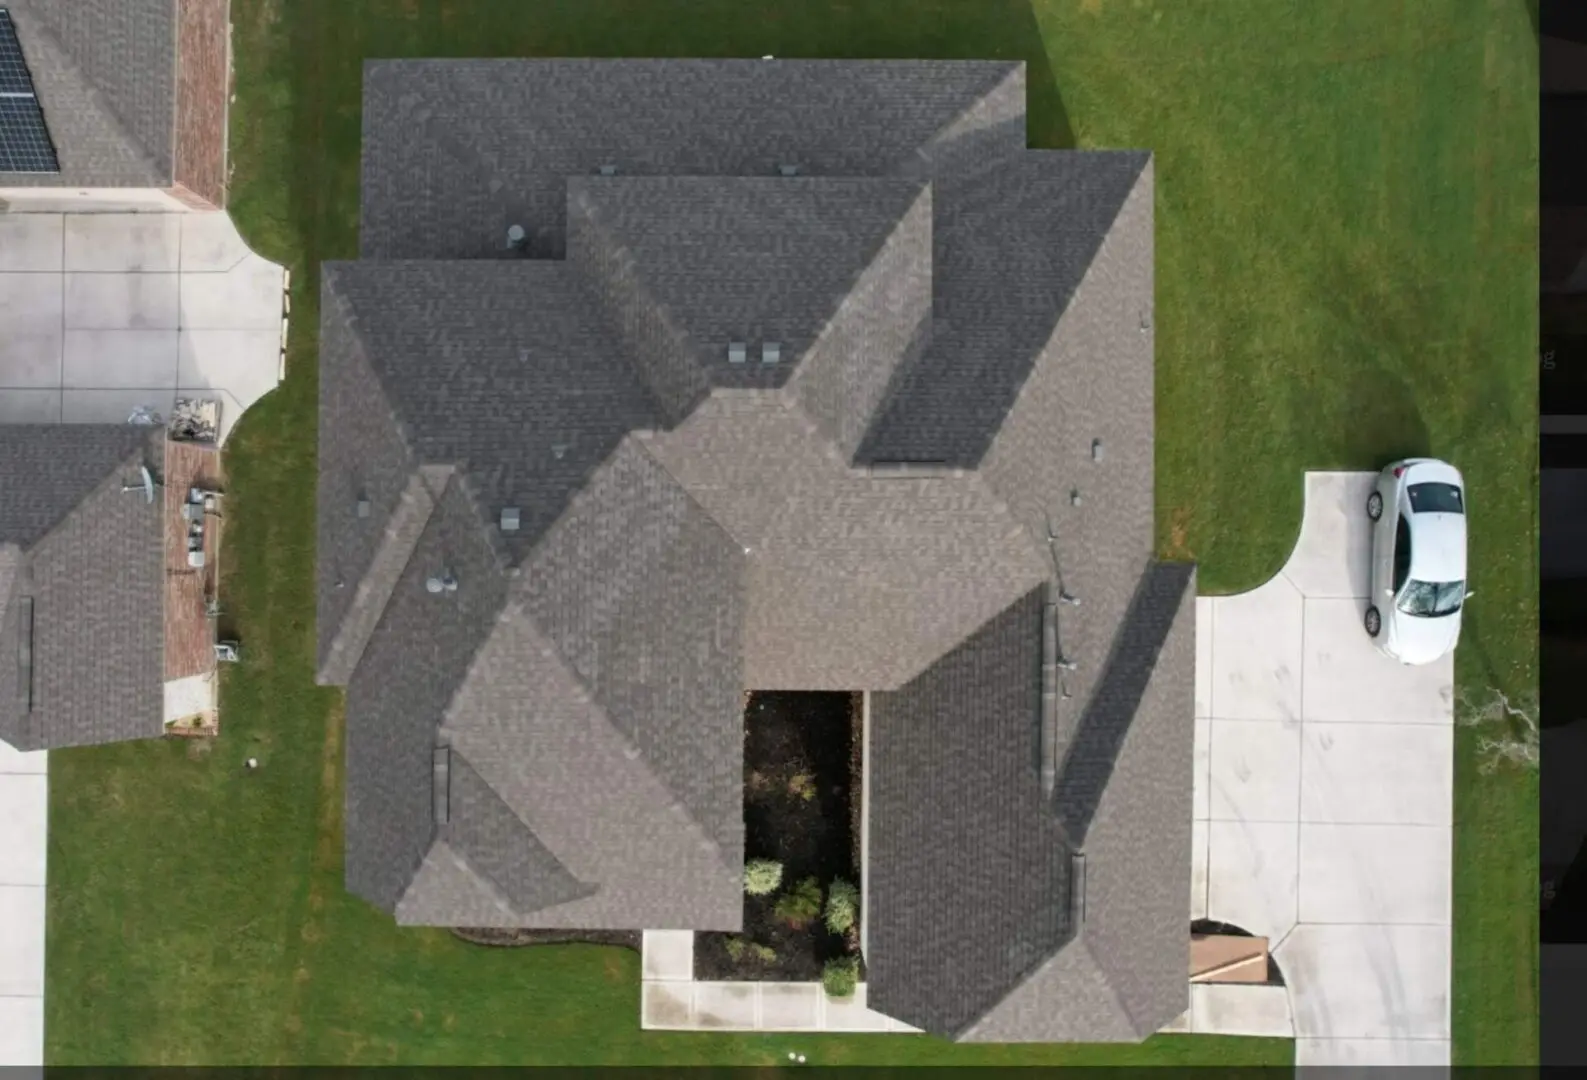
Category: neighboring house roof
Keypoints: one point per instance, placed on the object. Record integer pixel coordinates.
(104, 72)
(544, 723)
(81, 586)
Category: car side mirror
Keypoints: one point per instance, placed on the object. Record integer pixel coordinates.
(1470, 593)
(1388, 592)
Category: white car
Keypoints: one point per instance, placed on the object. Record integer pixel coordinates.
(1418, 579)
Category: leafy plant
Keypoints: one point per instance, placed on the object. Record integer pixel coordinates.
(762, 876)
(843, 907)
(802, 786)
(735, 948)
(799, 906)
(840, 976)
(764, 953)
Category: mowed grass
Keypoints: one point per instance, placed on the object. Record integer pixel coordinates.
(1346, 271)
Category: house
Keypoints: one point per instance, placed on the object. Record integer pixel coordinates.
(657, 381)
(114, 104)
(106, 568)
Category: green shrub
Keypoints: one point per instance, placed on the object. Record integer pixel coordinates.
(843, 907)
(799, 906)
(802, 786)
(762, 876)
(764, 953)
(840, 976)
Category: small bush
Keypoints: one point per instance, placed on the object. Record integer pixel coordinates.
(843, 907)
(799, 906)
(764, 953)
(735, 948)
(840, 976)
(802, 786)
(762, 876)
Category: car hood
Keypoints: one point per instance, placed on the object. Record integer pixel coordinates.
(1414, 640)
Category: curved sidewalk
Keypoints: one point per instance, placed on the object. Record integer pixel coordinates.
(1323, 801)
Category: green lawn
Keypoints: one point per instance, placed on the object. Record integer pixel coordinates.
(1346, 271)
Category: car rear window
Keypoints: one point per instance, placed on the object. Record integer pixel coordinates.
(1435, 499)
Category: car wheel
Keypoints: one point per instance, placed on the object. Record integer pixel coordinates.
(1373, 622)
(1375, 505)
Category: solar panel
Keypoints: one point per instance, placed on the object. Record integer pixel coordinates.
(25, 145)
(14, 78)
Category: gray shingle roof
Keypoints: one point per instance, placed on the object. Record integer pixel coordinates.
(944, 300)
(105, 75)
(81, 586)
(455, 151)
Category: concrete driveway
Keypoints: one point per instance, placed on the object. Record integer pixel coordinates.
(1323, 800)
(23, 808)
(102, 313)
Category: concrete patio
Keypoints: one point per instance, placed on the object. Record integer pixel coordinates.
(24, 804)
(107, 312)
(1323, 800)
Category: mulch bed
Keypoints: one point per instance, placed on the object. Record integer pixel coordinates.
(801, 804)
(510, 939)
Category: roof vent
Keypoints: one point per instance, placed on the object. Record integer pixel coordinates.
(25, 652)
(788, 170)
(1096, 449)
(443, 582)
(608, 170)
(509, 519)
(515, 236)
(770, 352)
(1077, 888)
(363, 506)
(1074, 497)
(736, 351)
(441, 784)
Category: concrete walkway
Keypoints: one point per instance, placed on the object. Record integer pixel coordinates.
(23, 810)
(1323, 800)
(103, 313)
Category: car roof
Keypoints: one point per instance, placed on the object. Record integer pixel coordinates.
(1431, 471)
(1438, 547)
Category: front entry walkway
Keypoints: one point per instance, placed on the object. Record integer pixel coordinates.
(1323, 798)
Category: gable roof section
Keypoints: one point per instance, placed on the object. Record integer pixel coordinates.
(455, 151)
(105, 75)
(1014, 238)
(81, 563)
(506, 370)
(713, 260)
(981, 925)
(967, 868)
(939, 555)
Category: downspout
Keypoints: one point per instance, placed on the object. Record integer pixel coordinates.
(865, 817)
(1049, 694)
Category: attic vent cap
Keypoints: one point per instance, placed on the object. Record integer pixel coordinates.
(770, 352)
(363, 506)
(509, 519)
(736, 352)
(443, 582)
(788, 170)
(1096, 449)
(515, 235)
(608, 170)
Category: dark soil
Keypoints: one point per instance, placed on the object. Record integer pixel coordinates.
(799, 773)
(500, 938)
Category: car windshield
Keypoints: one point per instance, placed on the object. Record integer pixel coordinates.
(1435, 499)
(1431, 599)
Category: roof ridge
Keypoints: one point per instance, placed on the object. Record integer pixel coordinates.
(963, 120)
(404, 529)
